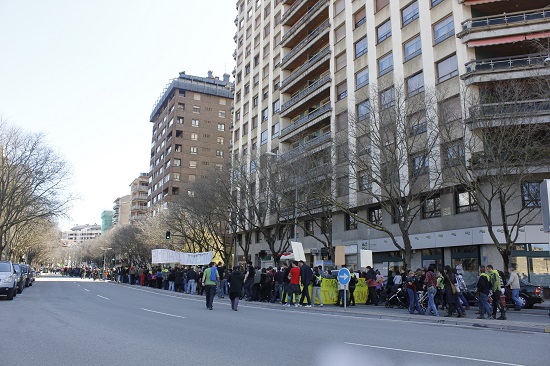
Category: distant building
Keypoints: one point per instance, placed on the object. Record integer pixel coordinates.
(138, 197)
(80, 234)
(121, 210)
(191, 133)
(106, 220)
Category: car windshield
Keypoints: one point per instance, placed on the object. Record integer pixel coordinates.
(16, 267)
(5, 267)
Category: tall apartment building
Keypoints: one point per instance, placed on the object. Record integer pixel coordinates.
(106, 220)
(138, 197)
(303, 67)
(121, 210)
(191, 133)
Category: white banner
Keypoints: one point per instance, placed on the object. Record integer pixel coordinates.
(190, 259)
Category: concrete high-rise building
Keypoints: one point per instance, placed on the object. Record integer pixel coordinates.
(191, 133)
(306, 67)
(80, 234)
(106, 220)
(121, 210)
(138, 204)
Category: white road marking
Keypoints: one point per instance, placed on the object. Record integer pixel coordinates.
(433, 354)
(158, 312)
(86, 290)
(103, 297)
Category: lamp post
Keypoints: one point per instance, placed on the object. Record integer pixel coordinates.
(104, 253)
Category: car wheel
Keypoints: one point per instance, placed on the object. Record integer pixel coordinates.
(30, 284)
(19, 290)
(11, 294)
(525, 303)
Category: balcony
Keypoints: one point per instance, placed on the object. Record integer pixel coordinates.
(505, 68)
(306, 94)
(506, 28)
(504, 114)
(315, 142)
(313, 117)
(311, 65)
(308, 42)
(294, 12)
(304, 21)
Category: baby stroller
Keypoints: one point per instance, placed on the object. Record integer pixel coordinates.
(397, 299)
(423, 300)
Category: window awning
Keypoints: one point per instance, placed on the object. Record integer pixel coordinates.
(508, 39)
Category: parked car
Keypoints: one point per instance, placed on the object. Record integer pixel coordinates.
(21, 277)
(528, 294)
(29, 276)
(8, 280)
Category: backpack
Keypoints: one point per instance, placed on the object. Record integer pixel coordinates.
(318, 280)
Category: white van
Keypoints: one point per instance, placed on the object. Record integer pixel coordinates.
(8, 280)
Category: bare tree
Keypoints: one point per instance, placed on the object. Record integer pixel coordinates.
(387, 157)
(505, 154)
(33, 181)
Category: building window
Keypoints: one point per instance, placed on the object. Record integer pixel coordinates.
(409, 13)
(342, 186)
(361, 47)
(360, 17)
(309, 228)
(375, 215)
(176, 176)
(194, 150)
(264, 137)
(179, 120)
(363, 110)
(385, 64)
(383, 32)
(193, 164)
(276, 106)
(454, 154)
(444, 29)
(265, 114)
(415, 84)
(340, 61)
(339, 6)
(447, 68)
(417, 123)
(194, 136)
(221, 127)
(341, 91)
(254, 122)
(432, 207)
(219, 153)
(435, 2)
(351, 222)
(412, 48)
(196, 109)
(364, 181)
(220, 140)
(380, 4)
(387, 98)
(221, 114)
(419, 165)
(530, 194)
(195, 122)
(362, 78)
(465, 202)
(339, 33)
(275, 130)
(177, 162)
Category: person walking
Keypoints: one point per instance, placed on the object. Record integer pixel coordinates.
(449, 281)
(305, 275)
(513, 283)
(236, 282)
(220, 288)
(210, 280)
(496, 283)
(413, 295)
(316, 288)
(430, 284)
(352, 285)
(483, 288)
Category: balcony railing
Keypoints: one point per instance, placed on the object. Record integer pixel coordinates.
(502, 19)
(505, 62)
(304, 19)
(495, 110)
(307, 40)
(313, 142)
(291, 10)
(305, 119)
(305, 92)
(307, 64)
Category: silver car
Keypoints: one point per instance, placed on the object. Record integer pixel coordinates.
(8, 280)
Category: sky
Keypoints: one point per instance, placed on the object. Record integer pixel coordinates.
(87, 74)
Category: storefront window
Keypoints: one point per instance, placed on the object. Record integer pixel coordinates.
(532, 263)
(468, 257)
(433, 256)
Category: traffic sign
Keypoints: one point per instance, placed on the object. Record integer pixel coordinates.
(344, 276)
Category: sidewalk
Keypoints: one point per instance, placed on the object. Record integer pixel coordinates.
(381, 312)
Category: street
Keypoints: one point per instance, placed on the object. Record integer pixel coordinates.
(67, 321)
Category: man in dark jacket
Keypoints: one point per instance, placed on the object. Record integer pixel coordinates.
(236, 281)
(306, 274)
(370, 279)
(483, 287)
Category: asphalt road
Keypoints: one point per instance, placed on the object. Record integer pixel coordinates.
(68, 321)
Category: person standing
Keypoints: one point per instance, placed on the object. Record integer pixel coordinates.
(316, 289)
(236, 281)
(278, 279)
(370, 278)
(294, 285)
(191, 280)
(449, 281)
(249, 281)
(305, 275)
(413, 295)
(352, 285)
(220, 289)
(513, 283)
(483, 287)
(496, 283)
(210, 280)
(286, 282)
(430, 283)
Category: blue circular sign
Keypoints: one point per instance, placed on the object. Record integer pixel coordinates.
(344, 276)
